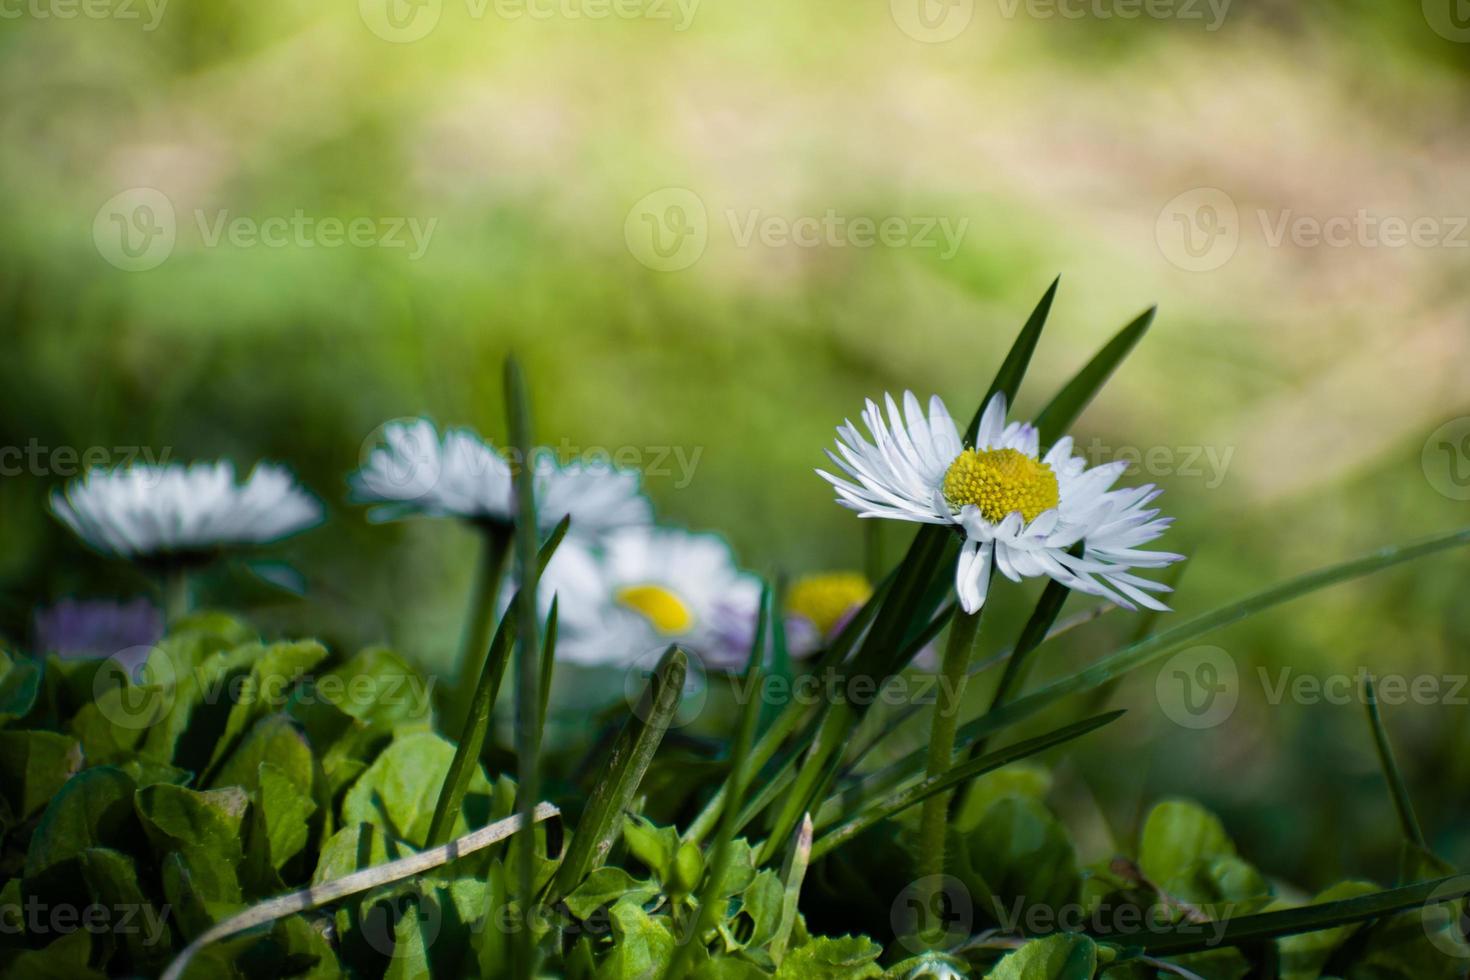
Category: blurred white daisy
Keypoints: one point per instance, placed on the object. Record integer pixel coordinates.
(1019, 511)
(415, 471)
(644, 588)
(145, 511)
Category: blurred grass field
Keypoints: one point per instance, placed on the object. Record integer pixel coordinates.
(1283, 398)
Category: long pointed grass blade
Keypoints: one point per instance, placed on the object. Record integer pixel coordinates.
(1007, 380)
(1048, 607)
(740, 776)
(548, 658)
(1189, 937)
(1402, 804)
(634, 749)
(793, 873)
(477, 722)
(1159, 644)
(1057, 417)
(528, 687)
(921, 790)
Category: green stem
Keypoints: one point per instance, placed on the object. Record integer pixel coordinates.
(953, 673)
(176, 604)
(495, 542)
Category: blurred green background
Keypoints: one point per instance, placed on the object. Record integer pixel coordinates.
(1288, 397)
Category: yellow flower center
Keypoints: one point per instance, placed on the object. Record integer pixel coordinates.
(825, 599)
(1001, 482)
(661, 607)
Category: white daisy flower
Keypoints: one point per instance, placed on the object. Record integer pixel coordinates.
(644, 588)
(414, 471)
(144, 511)
(1019, 511)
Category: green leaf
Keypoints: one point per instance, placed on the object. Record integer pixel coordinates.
(631, 754)
(1018, 857)
(274, 670)
(825, 958)
(398, 791)
(65, 958)
(605, 886)
(93, 809)
(33, 766)
(285, 806)
(1178, 836)
(763, 901)
(203, 828)
(20, 683)
(656, 847)
(1063, 956)
(112, 881)
(1302, 957)
(1059, 414)
(273, 739)
(642, 944)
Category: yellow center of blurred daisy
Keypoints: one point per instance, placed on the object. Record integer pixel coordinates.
(661, 607)
(1001, 482)
(825, 599)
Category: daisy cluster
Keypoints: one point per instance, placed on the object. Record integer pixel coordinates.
(627, 585)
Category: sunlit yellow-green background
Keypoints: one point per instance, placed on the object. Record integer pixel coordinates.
(1288, 392)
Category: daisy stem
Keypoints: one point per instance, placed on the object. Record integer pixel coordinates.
(953, 673)
(479, 623)
(175, 594)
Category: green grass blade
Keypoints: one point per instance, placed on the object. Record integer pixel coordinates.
(1007, 380)
(1048, 607)
(1189, 937)
(1057, 417)
(528, 692)
(477, 722)
(1391, 775)
(920, 790)
(548, 659)
(772, 621)
(1159, 644)
(740, 777)
(602, 820)
(793, 873)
